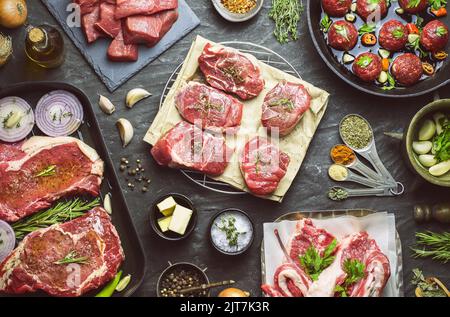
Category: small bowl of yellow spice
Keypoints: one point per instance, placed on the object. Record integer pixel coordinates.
(238, 10)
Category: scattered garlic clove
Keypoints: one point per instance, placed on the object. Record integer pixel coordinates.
(427, 131)
(126, 131)
(439, 119)
(136, 95)
(427, 160)
(106, 105)
(123, 283)
(440, 169)
(422, 147)
(107, 203)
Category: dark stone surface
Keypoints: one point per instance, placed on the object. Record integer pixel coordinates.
(311, 184)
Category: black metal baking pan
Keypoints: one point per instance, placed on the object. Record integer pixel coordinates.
(89, 132)
(440, 79)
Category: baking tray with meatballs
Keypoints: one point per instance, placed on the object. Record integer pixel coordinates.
(384, 47)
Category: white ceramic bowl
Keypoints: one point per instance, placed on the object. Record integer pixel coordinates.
(237, 17)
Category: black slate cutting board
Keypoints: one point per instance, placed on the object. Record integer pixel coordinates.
(114, 74)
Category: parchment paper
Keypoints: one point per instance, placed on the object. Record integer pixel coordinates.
(380, 226)
(295, 144)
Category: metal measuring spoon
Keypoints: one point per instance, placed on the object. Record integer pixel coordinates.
(380, 191)
(352, 177)
(359, 166)
(370, 153)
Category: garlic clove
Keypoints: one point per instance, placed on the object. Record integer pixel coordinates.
(107, 203)
(126, 131)
(422, 147)
(440, 169)
(136, 95)
(427, 160)
(106, 105)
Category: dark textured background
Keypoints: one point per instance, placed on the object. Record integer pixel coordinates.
(309, 188)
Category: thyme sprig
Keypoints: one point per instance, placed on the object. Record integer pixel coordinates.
(72, 257)
(48, 171)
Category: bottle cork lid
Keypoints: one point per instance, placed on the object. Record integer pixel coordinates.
(36, 35)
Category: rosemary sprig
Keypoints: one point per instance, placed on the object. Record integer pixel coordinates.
(286, 14)
(61, 212)
(284, 102)
(72, 257)
(48, 171)
(434, 245)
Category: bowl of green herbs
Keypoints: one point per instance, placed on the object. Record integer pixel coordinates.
(428, 142)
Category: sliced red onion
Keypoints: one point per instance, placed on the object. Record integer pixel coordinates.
(59, 113)
(7, 240)
(15, 105)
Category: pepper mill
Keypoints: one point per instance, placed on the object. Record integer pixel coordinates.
(426, 213)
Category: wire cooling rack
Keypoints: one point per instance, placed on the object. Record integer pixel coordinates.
(263, 54)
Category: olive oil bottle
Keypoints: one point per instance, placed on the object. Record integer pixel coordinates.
(44, 46)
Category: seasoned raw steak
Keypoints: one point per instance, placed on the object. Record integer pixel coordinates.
(36, 264)
(227, 69)
(208, 107)
(186, 146)
(88, 22)
(263, 166)
(126, 8)
(284, 106)
(118, 51)
(107, 23)
(47, 169)
(289, 281)
(148, 30)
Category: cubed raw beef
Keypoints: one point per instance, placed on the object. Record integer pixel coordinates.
(126, 8)
(118, 51)
(148, 29)
(86, 6)
(88, 22)
(107, 23)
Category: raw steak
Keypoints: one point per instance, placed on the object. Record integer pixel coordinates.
(76, 168)
(263, 166)
(148, 29)
(208, 107)
(284, 106)
(126, 8)
(187, 146)
(227, 69)
(118, 51)
(34, 266)
(88, 22)
(307, 235)
(107, 23)
(361, 247)
(289, 281)
(86, 6)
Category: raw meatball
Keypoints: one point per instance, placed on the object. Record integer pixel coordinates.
(342, 35)
(393, 35)
(434, 36)
(336, 8)
(367, 66)
(413, 6)
(366, 8)
(407, 69)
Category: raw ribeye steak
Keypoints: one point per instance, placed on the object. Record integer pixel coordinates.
(208, 107)
(284, 106)
(148, 30)
(187, 146)
(118, 51)
(88, 23)
(263, 165)
(48, 169)
(42, 259)
(126, 8)
(227, 69)
(107, 23)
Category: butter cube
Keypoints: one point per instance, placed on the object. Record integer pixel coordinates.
(164, 223)
(167, 206)
(180, 219)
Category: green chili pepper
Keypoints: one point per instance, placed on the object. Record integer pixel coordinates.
(109, 289)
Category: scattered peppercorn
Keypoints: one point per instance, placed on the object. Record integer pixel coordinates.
(177, 279)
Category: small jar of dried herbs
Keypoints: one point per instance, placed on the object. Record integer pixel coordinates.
(239, 6)
(5, 49)
(356, 132)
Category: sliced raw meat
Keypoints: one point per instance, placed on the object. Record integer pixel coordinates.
(187, 146)
(126, 8)
(118, 51)
(107, 23)
(208, 107)
(86, 6)
(284, 106)
(227, 69)
(36, 263)
(88, 23)
(148, 30)
(263, 166)
(307, 235)
(48, 169)
(289, 281)
(361, 247)
(10, 152)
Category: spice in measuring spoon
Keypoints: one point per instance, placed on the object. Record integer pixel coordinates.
(356, 132)
(338, 173)
(343, 155)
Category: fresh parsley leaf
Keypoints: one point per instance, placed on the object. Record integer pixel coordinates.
(313, 263)
(367, 28)
(441, 144)
(441, 31)
(364, 61)
(355, 272)
(325, 23)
